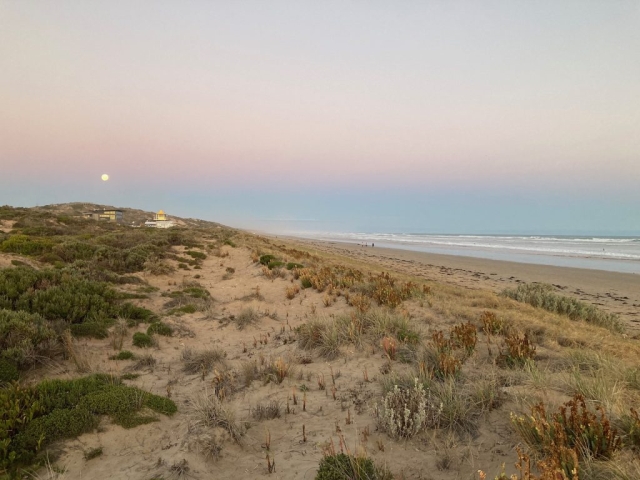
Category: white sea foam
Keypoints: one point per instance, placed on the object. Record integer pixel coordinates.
(607, 253)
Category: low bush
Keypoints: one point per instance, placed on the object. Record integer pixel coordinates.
(292, 265)
(91, 329)
(122, 355)
(517, 351)
(26, 245)
(39, 415)
(573, 433)
(142, 340)
(160, 328)
(8, 371)
(25, 338)
(491, 324)
(448, 355)
(274, 264)
(405, 412)
(541, 295)
(265, 259)
(196, 255)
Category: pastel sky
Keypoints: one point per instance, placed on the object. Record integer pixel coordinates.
(413, 116)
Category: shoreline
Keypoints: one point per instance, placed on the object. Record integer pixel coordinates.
(616, 292)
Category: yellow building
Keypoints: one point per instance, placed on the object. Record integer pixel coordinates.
(108, 215)
(160, 220)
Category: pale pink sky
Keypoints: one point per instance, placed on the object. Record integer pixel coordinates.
(458, 96)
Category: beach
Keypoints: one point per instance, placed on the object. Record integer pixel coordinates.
(616, 292)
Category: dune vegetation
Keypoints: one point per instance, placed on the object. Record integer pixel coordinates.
(234, 352)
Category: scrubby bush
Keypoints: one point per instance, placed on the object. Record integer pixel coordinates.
(8, 371)
(573, 433)
(26, 245)
(122, 355)
(25, 337)
(196, 255)
(292, 265)
(142, 340)
(274, 264)
(517, 351)
(265, 259)
(541, 295)
(160, 328)
(405, 412)
(92, 329)
(54, 409)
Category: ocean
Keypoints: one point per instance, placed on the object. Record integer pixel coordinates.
(617, 254)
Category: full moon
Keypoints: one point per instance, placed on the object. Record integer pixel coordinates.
(105, 177)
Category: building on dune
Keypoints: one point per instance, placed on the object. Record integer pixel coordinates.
(110, 215)
(160, 220)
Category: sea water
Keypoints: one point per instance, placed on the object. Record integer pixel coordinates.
(618, 254)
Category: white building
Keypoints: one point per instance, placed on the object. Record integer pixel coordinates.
(160, 220)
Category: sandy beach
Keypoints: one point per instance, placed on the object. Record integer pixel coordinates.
(613, 291)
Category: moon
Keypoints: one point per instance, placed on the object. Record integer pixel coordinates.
(105, 177)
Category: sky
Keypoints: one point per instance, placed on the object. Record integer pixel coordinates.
(410, 116)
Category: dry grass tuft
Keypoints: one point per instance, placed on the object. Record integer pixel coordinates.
(247, 317)
(266, 411)
(77, 355)
(207, 410)
(145, 361)
(204, 361)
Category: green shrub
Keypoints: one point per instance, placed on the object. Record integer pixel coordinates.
(542, 296)
(26, 245)
(265, 259)
(19, 263)
(274, 264)
(142, 340)
(292, 265)
(196, 255)
(135, 314)
(122, 355)
(90, 329)
(189, 308)
(24, 337)
(8, 371)
(73, 250)
(229, 242)
(305, 282)
(54, 409)
(160, 328)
